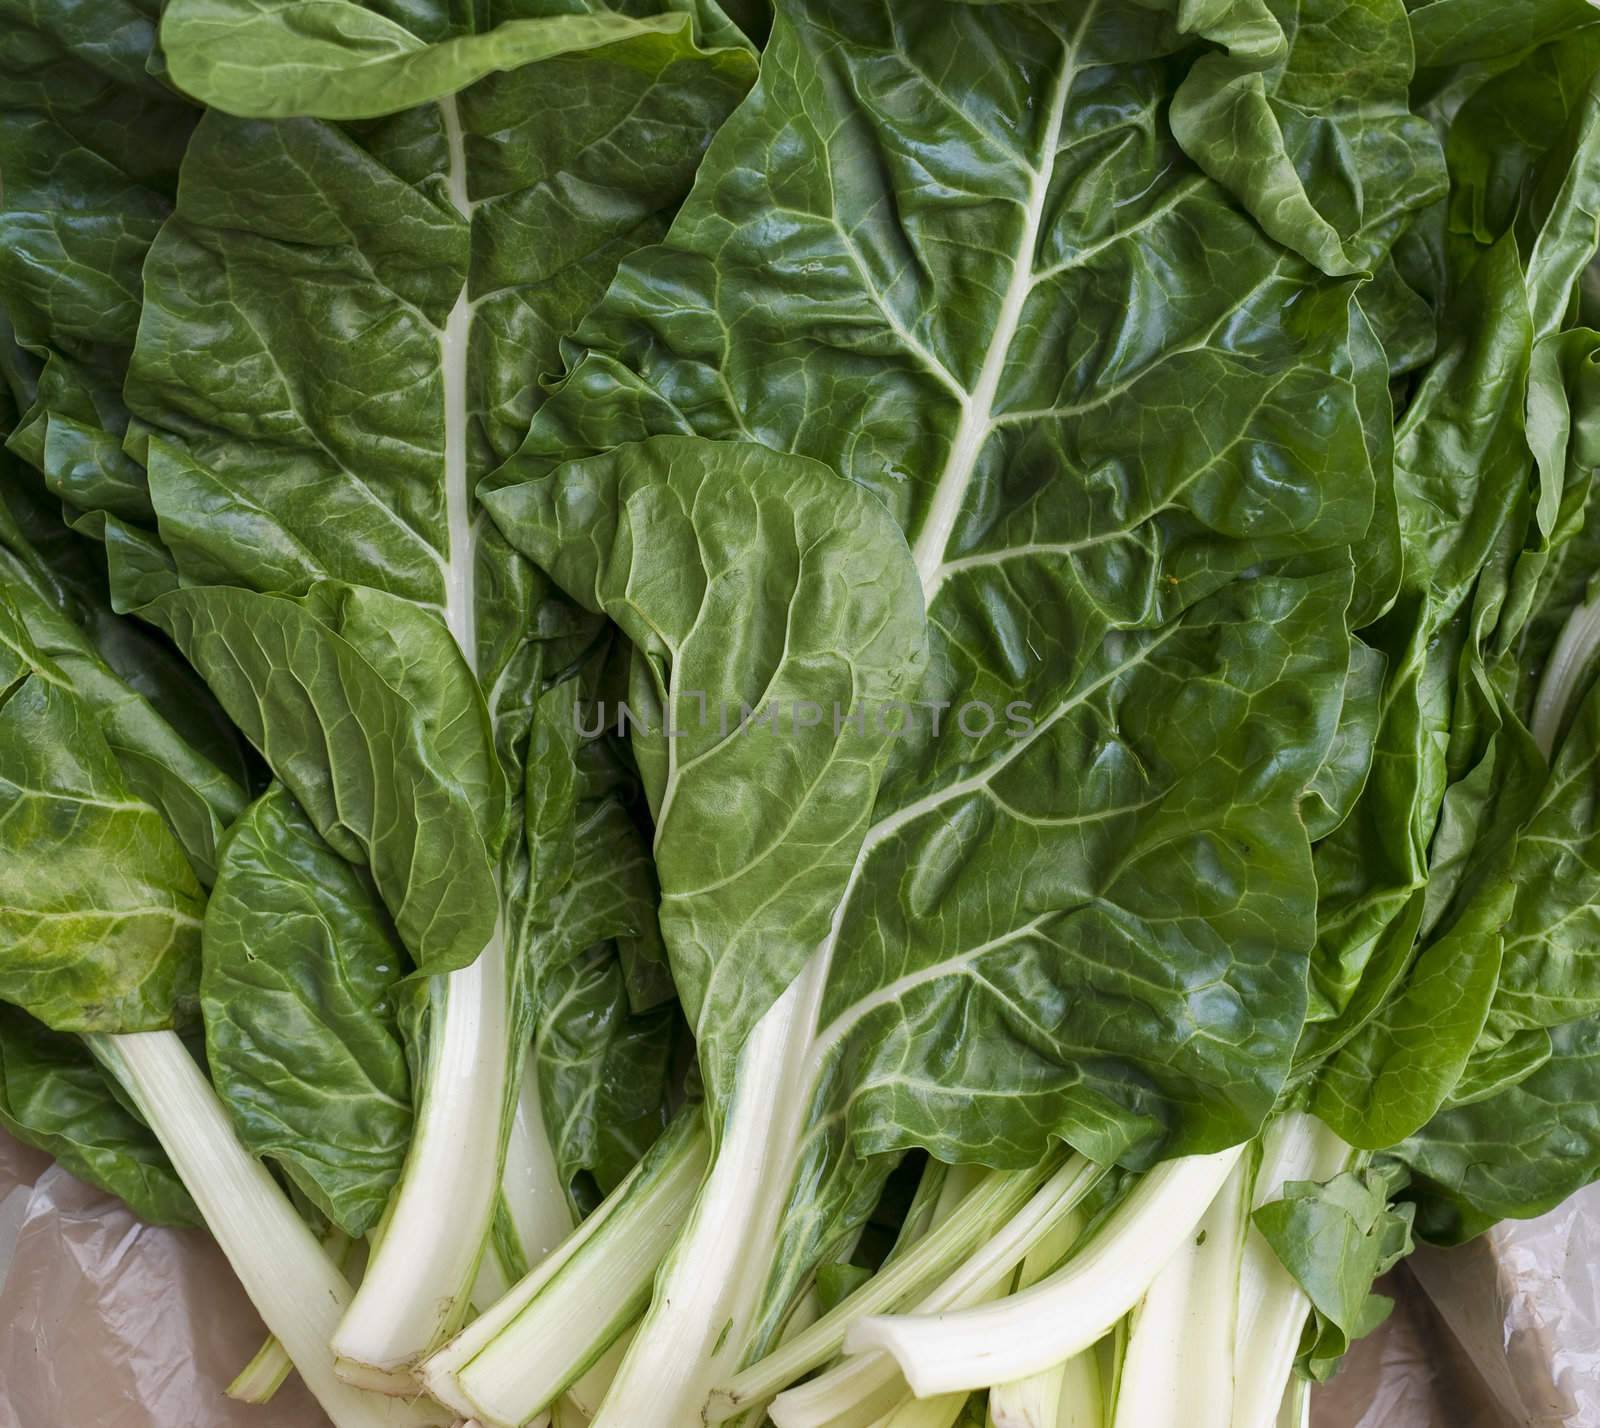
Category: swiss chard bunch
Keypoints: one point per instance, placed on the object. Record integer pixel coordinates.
(879, 714)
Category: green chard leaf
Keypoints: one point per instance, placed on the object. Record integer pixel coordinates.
(99, 909)
(412, 220)
(298, 989)
(1305, 117)
(90, 142)
(347, 321)
(835, 619)
(604, 1072)
(1515, 1153)
(1452, 32)
(325, 684)
(1336, 1239)
(1492, 475)
(1134, 532)
(337, 59)
(55, 1096)
(166, 731)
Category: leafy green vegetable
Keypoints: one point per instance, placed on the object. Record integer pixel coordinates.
(969, 478)
(732, 595)
(1460, 31)
(90, 142)
(1081, 499)
(107, 936)
(280, 58)
(1337, 1238)
(299, 988)
(322, 560)
(605, 1073)
(103, 937)
(54, 1095)
(335, 683)
(1516, 1153)
(1306, 119)
(831, 622)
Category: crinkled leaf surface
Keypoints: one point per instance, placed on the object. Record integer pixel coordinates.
(1392, 1076)
(603, 1065)
(1306, 119)
(298, 993)
(321, 713)
(310, 463)
(131, 683)
(1448, 32)
(1460, 467)
(70, 573)
(821, 330)
(90, 142)
(604, 1073)
(1518, 1153)
(99, 909)
(342, 60)
(751, 580)
(955, 254)
(1492, 473)
(1519, 1136)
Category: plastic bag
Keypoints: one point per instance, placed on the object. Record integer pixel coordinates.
(111, 1322)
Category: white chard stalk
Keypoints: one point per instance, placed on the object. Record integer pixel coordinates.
(1038, 1400)
(1295, 1411)
(1177, 1371)
(530, 1184)
(866, 1385)
(705, 1294)
(1064, 1314)
(1272, 1306)
(587, 1392)
(520, 1356)
(296, 1288)
(417, 1286)
(960, 1219)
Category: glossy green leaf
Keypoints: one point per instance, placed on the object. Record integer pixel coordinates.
(604, 1073)
(1338, 783)
(823, 336)
(1305, 117)
(1460, 31)
(1492, 1071)
(53, 1095)
(552, 207)
(298, 990)
(1492, 471)
(303, 690)
(1501, 132)
(1398, 1070)
(253, 392)
(1518, 1153)
(834, 622)
(1460, 465)
(131, 683)
(90, 143)
(1552, 865)
(1336, 1239)
(99, 910)
(1101, 404)
(342, 60)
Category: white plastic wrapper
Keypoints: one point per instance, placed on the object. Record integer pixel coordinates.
(108, 1322)
(1525, 1299)
(1503, 1332)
